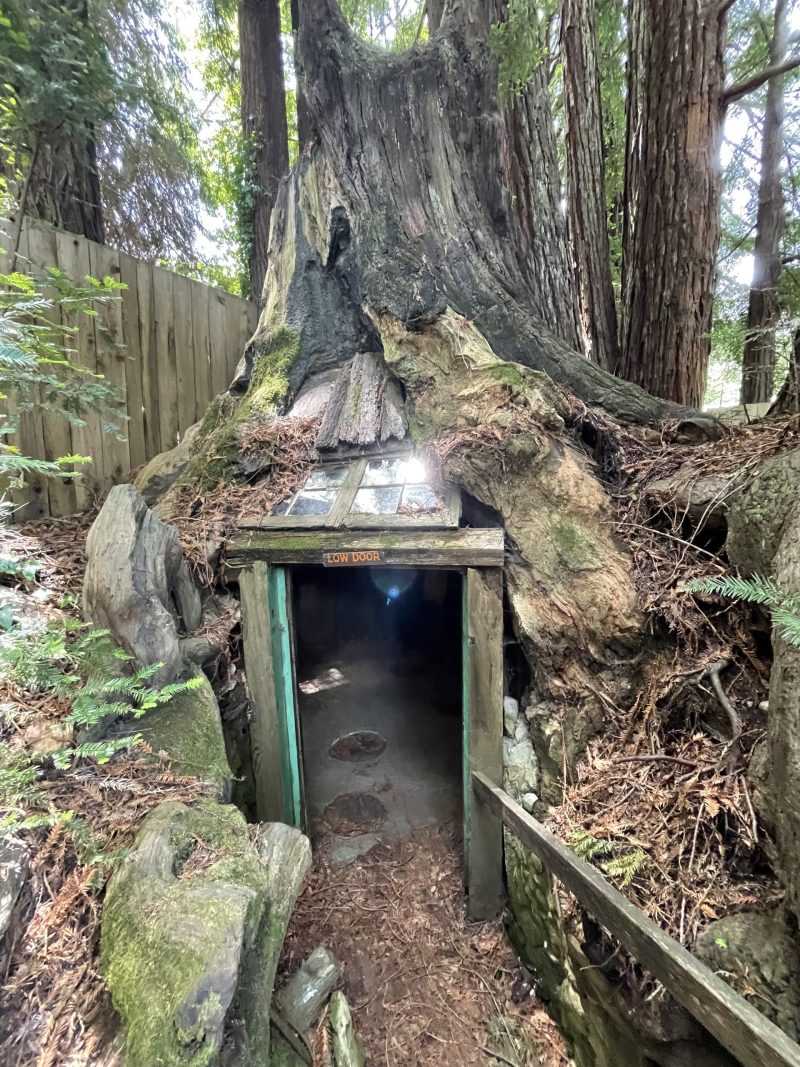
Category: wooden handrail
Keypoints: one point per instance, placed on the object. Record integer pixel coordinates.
(736, 1024)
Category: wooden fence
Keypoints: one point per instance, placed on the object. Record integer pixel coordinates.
(167, 346)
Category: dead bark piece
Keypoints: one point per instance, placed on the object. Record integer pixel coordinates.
(366, 405)
(137, 583)
(347, 1049)
(304, 997)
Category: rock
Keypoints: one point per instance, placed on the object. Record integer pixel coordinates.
(137, 583)
(200, 650)
(520, 763)
(347, 1049)
(13, 870)
(510, 715)
(302, 1000)
(163, 470)
(192, 929)
(188, 729)
(758, 950)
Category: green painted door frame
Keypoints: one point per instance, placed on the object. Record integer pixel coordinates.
(275, 730)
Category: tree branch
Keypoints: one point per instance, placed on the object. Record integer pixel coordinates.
(742, 88)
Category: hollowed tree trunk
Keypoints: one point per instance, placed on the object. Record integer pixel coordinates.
(445, 196)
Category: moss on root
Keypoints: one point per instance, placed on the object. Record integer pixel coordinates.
(220, 433)
(165, 931)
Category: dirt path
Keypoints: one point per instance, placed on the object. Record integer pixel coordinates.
(426, 986)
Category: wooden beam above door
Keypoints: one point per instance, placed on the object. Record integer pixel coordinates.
(411, 548)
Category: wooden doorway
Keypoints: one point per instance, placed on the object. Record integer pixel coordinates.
(263, 563)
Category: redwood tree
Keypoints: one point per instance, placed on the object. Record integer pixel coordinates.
(263, 123)
(758, 361)
(586, 195)
(672, 193)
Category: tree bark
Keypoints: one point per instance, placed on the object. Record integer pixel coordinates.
(672, 192)
(434, 9)
(304, 130)
(758, 359)
(263, 123)
(432, 207)
(787, 401)
(65, 188)
(586, 195)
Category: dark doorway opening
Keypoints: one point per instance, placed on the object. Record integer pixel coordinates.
(379, 680)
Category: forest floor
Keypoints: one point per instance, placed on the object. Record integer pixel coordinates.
(425, 984)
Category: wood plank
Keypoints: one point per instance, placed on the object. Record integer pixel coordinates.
(111, 358)
(184, 352)
(165, 361)
(735, 1023)
(413, 548)
(483, 608)
(73, 259)
(233, 346)
(132, 339)
(219, 378)
(32, 500)
(201, 348)
(149, 359)
(265, 735)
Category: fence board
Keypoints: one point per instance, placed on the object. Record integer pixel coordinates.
(73, 259)
(134, 385)
(104, 263)
(168, 345)
(165, 358)
(149, 358)
(184, 352)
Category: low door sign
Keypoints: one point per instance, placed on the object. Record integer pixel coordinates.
(348, 558)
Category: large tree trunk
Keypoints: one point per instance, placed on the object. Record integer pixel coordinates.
(672, 191)
(65, 188)
(304, 131)
(446, 196)
(758, 360)
(787, 401)
(586, 195)
(263, 122)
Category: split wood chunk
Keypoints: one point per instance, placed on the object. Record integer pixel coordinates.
(366, 405)
(137, 583)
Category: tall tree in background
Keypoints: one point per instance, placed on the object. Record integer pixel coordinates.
(57, 85)
(586, 194)
(672, 194)
(758, 360)
(304, 132)
(263, 122)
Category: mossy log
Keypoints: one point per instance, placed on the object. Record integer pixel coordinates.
(137, 583)
(193, 926)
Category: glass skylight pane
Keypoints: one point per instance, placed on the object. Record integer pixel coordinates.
(376, 501)
(384, 472)
(421, 497)
(326, 478)
(282, 508)
(313, 502)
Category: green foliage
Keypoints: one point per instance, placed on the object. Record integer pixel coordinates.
(81, 665)
(518, 44)
(784, 608)
(39, 318)
(394, 25)
(108, 72)
(621, 865)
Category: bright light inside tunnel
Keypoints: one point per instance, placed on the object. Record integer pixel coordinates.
(329, 679)
(393, 583)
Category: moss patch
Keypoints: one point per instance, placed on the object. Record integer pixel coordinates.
(576, 549)
(221, 429)
(169, 944)
(189, 729)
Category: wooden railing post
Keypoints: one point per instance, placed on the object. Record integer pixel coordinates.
(736, 1024)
